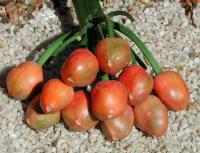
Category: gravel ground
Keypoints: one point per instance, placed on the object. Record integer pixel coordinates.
(173, 41)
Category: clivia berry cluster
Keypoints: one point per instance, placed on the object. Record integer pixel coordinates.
(116, 102)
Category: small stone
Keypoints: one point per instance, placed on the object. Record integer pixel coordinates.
(2, 44)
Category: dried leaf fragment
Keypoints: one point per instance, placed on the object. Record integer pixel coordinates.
(189, 6)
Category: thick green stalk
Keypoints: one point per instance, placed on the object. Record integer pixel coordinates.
(130, 34)
(110, 26)
(86, 10)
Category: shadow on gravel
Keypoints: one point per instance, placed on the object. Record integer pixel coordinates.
(3, 75)
(64, 14)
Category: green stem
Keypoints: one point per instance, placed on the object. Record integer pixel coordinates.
(86, 10)
(73, 38)
(84, 41)
(137, 58)
(100, 31)
(110, 27)
(55, 45)
(105, 77)
(133, 59)
(126, 31)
